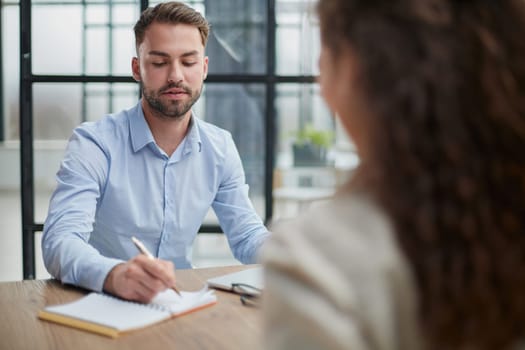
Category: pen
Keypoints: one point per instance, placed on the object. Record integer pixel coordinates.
(142, 248)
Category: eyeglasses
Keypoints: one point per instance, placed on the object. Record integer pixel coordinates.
(250, 295)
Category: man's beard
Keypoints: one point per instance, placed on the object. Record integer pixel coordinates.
(175, 109)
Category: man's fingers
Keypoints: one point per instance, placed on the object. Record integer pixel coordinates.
(160, 270)
(125, 281)
(139, 292)
(140, 278)
(138, 273)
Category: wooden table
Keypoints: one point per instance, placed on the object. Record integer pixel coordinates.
(226, 325)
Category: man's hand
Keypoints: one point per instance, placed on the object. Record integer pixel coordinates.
(140, 278)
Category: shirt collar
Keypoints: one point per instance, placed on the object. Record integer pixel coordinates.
(193, 138)
(141, 134)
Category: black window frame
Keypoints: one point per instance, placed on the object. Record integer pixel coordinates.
(27, 79)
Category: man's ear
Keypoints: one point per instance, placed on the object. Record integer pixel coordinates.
(135, 68)
(205, 70)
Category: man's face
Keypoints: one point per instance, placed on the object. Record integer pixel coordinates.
(171, 68)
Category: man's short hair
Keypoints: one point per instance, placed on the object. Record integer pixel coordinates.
(172, 12)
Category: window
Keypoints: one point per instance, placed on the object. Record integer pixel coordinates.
(261, 87)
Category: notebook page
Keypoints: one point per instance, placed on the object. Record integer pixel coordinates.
(186, 301)
(111, 312)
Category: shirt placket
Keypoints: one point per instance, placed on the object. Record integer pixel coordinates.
(169, 207)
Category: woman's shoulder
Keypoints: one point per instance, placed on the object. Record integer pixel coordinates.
(346, 239)
(344, 253)
(347, 224)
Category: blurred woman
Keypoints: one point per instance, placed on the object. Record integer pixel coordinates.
(425, 247)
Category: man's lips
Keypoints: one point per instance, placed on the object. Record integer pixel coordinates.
(175, 91)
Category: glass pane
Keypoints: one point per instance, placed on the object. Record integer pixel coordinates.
(239, 108)
(305, 155)
(237, 43)
(301, 111)
(59, 107)
(10, 72)
(10, 213)
(97, 14)
(102, 99)
(97, 60)
(83, 41)
(297, 38)
(46, 162)
(73, 2)
(125, 14)
(56, 110)
(57, 44)
(123, 50)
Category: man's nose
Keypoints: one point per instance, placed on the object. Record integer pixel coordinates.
(175, 74)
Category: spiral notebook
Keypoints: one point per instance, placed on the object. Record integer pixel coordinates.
(110, 316)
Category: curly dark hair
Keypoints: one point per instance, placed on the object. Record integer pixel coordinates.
(445, 82)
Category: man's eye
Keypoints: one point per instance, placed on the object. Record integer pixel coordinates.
(189, 64)
(159, 64)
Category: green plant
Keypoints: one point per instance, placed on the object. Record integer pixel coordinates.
(309, 134)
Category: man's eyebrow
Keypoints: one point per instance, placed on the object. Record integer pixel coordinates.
(164, 54)
(190, 53)
(158, 53)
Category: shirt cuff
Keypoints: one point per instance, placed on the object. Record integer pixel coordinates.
(94, 279)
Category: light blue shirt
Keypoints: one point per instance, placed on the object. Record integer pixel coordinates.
(115, 182)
